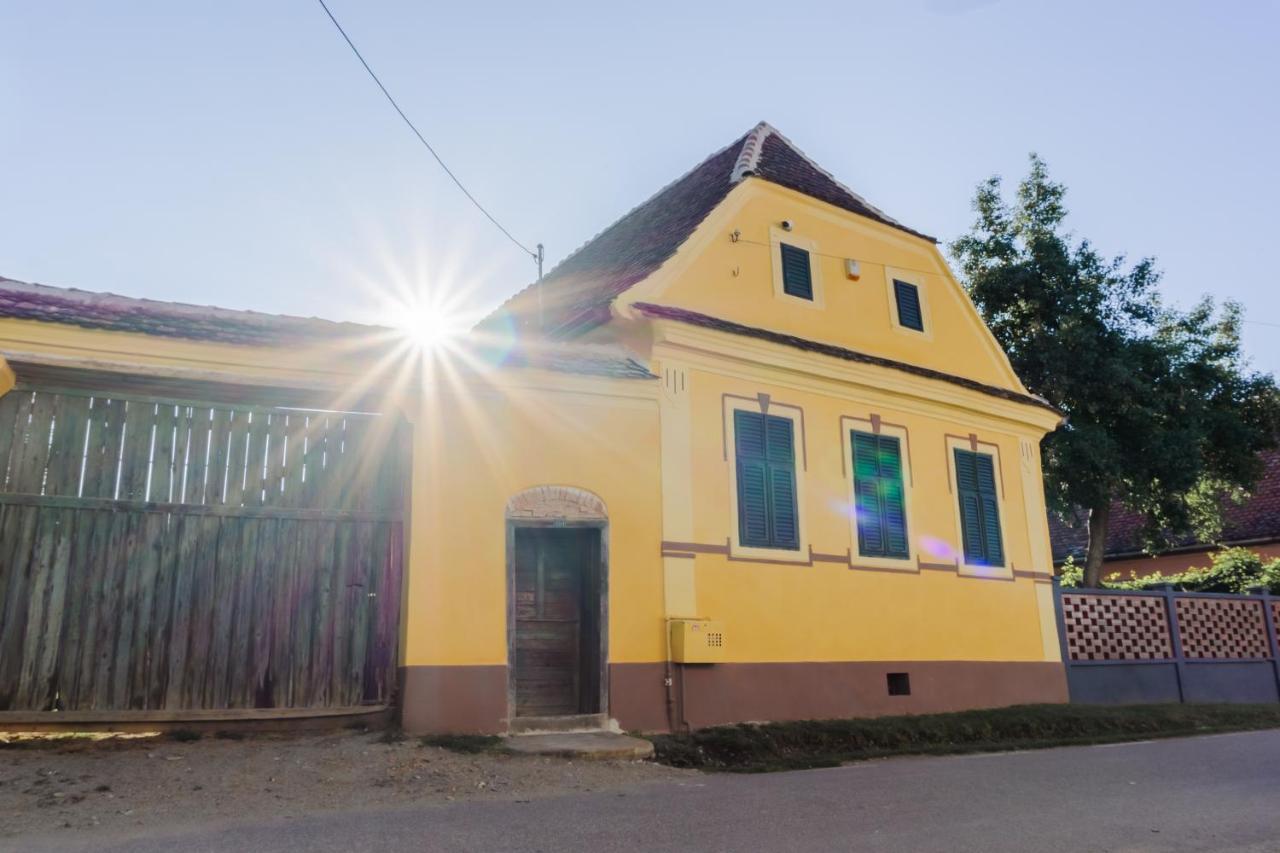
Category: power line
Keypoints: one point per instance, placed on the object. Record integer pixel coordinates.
(741, 239)
(537, 256)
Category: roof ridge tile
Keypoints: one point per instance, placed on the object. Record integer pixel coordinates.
(749, 157)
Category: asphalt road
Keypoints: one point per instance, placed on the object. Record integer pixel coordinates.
(1214, 793)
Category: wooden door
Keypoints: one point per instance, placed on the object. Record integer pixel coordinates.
(552, 575)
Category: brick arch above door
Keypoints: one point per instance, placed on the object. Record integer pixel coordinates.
(556, 503)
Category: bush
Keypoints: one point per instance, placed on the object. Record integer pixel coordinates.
(754, 748)
(470, 744)
(1071, 575)
(1234, 570)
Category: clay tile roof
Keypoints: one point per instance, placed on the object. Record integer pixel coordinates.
(107, 311)
(577, 293)
(1256, 519)
(706, 321)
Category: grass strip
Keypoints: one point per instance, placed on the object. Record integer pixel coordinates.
(766, 747)
(467, 744)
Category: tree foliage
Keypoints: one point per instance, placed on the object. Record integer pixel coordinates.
(1237, 570)
(1163, 414)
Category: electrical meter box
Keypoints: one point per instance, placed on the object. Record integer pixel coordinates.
(697, 641)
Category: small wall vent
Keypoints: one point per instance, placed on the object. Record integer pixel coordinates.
(899, 683)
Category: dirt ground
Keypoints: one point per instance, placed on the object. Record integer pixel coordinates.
(124, 786)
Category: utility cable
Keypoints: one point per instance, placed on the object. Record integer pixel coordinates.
(740, 239)
(535, 255)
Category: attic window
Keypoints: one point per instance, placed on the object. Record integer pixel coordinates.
(907, 297)
(797, 278)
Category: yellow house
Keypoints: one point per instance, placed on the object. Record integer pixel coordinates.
(750, 453)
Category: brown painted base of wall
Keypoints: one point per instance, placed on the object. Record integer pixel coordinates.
(714, 695)
(456, 699)
(474, 698)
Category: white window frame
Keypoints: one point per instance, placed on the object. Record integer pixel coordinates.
(776, 238)
(965, 568)
(736, 548)
(848, 426)
(926, 316)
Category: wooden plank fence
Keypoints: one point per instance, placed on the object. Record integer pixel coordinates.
(168, 555)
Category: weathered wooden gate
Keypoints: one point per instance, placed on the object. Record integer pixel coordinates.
(157, 554)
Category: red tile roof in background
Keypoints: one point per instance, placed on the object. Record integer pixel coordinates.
(1257, 518)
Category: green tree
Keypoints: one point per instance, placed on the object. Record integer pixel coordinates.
(1162, 413)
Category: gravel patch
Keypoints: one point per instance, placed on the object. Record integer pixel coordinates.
(144, 784)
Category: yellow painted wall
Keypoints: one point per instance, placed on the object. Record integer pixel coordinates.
(478, 440)
(478, 443)
(735, 281)
(7, 377)
(829, 611)
(774, 610)
(655, 453)
(350, 367)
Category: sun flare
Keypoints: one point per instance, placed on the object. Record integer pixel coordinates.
(431, 327)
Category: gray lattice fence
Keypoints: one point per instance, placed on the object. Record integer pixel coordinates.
(1166, 646)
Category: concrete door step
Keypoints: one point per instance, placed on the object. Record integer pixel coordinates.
(585, 745)
(568, 723)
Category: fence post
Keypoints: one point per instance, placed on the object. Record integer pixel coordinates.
(1175, 638)
(1062, 623)
(1063, 643)
(1269, 621)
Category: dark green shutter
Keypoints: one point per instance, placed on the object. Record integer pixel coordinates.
(866, 489)
(782, 483)
(893, 498)
(908, 299)
(797, 278)
(765, 457)
(753, 479)
(991, 539)
(979, 509)
(879, 497)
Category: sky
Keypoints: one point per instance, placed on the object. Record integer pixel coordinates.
(235, 153)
